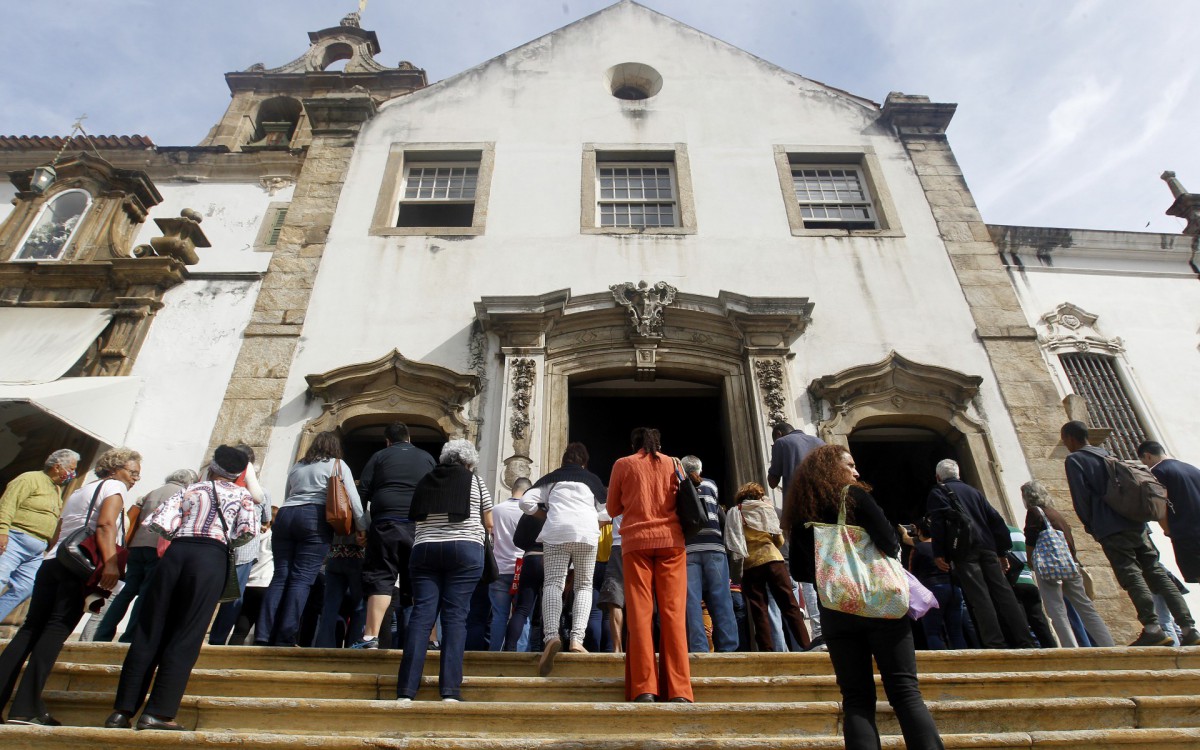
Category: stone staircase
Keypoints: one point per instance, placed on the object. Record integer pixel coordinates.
(244, 697)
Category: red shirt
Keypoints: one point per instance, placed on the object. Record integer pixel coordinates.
(643, 490)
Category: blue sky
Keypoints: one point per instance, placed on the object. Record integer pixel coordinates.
(1068, 109)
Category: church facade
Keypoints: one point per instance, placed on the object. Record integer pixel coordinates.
(623, 222)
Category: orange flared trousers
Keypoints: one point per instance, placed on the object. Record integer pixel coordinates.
(656, 574)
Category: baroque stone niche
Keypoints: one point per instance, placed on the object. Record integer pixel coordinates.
(388, 388)
(897, 391)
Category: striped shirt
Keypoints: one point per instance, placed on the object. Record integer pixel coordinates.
(189, 513)
(439, 528)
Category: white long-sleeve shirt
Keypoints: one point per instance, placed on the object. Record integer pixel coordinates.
(571, 514)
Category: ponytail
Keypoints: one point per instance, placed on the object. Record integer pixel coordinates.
(647, 439)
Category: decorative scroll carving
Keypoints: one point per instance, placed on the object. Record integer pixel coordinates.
(645, 305)
(1071, 328)
(522, 395)
(181, 236)
(770, 382)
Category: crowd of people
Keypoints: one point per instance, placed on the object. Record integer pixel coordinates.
(432, 561)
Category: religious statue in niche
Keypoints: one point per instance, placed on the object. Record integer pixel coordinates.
(645, 305)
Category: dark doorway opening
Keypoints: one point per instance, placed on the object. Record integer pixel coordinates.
(361, 443)
(898, 463)
(689, 416)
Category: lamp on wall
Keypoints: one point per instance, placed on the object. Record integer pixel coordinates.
(45, 175)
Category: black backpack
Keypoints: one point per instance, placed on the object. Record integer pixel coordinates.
(693, 515)
(959, 527)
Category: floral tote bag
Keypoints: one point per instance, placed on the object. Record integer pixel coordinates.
(853, 576)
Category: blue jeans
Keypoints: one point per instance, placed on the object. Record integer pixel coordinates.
(501, 609)
(444, 576)
(708, 581)
(139, 571)
(19, 566)
(300, 541)
(743, 620)
(948, 612)
(227, 613)
(343, 580)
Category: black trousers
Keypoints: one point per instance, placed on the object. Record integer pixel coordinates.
(772, 580)
(852, 641)
(55, 607)
(171, 630)
(994, 607)
(1031, 600)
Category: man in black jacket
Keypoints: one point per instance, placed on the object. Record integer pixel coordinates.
(388, 481)
(998, 616)
(1126, 543)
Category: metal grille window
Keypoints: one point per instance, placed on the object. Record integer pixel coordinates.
(1094, 376)
(439, 195)
(833, 197)
(637, 195)
(277, 226)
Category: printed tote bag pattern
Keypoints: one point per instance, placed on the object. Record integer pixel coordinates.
(1051, 557)
(853, 576)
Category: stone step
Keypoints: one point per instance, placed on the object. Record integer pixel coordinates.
(790, 688)
(72, 738)
(495, 664)
(432, 718)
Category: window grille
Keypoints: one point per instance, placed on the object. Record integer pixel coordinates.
(634, 195)
(277, 226)
(833, 197)
(1094, 376)
(439, 195)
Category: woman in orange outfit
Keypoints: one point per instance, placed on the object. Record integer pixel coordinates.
(642, 487)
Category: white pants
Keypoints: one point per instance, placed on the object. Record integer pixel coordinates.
(1053, 593)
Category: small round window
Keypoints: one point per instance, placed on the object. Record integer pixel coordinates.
(633, 81)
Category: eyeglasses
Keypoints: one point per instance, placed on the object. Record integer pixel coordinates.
(131, 472)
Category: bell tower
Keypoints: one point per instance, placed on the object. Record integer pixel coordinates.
(268, 112)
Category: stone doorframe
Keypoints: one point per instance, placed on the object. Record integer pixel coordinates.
(641, 332)
(896, 391)
(389, 388)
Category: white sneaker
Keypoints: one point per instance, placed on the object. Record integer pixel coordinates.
(451, 700)
(403, 701)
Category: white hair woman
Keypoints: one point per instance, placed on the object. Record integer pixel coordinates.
(1038, 513)
(452, 509)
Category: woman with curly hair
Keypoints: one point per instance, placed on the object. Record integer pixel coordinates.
(815, 496)
(57, 602)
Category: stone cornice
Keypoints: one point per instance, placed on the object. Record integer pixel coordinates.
(166, 164)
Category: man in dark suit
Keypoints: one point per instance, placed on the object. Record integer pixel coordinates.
(999, 618)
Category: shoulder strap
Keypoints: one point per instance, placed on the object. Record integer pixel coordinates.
(1046, 520)
(220, 512)
(92, 505)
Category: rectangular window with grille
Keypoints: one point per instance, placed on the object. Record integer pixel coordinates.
(636, 195)
(277, 225)
(833, 197)
(1094, 376)
(439, 195)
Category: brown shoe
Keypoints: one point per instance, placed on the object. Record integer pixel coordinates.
(577, 648)
(546, 662)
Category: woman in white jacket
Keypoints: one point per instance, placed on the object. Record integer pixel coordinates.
(569, 497)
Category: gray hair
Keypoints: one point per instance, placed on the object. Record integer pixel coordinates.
(460, 452)
(946, 469)
(691, 464)
(60, 457)
(186, 477)
(1035, 495)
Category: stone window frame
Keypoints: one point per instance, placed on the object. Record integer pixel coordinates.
(674, 153)
(387, 208)
(862, 158)
(274, 219)
(37, 217)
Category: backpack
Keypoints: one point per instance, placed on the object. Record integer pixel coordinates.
(959, 527)
(1132, 491)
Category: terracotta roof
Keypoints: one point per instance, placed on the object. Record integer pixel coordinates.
(55, 142)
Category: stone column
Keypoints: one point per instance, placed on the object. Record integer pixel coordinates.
(1025, 382)
(269, 342)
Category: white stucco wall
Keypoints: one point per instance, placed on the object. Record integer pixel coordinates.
(8, 191)
(189, 354)
(540, 104)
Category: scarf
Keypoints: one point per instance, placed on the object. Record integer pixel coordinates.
(575, 473)
(446, 489)
(216, 472)
(760, 515)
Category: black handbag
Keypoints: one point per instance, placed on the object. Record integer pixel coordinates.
(491, 570)
(529, 528)
(232, 591)
(688, 505)
(77, 551)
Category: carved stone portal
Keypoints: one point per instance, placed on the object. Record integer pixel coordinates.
(645, 305)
